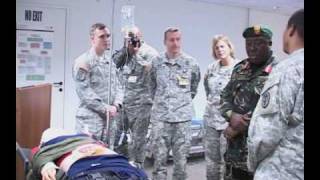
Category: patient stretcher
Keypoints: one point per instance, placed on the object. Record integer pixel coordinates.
(77, 156)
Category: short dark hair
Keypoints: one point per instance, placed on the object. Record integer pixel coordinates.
(297, 22)
(170, 29)
(95, 26)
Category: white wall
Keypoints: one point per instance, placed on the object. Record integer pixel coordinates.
(81, 14)
(198, 21)
(277, 24)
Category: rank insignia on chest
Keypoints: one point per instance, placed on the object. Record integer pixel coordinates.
(183, 81)
(132, 79)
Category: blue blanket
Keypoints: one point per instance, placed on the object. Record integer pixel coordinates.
(117, 164)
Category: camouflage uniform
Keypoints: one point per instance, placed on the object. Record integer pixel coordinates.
(91, 76)
(175, 83)
(241, 95)
(215, 79)
(276, 132)
(137, 100)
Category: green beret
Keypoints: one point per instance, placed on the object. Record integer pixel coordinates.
(257, 31)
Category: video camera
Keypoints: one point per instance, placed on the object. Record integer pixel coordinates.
(134, 40)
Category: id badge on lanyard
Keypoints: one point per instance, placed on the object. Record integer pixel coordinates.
(132, 79)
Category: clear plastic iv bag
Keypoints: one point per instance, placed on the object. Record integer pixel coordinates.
(127, 18)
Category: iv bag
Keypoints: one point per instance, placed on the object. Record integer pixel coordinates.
(127, 18)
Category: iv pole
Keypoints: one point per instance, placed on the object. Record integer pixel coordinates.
(110, 68)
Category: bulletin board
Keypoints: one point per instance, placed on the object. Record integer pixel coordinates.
(33, 54)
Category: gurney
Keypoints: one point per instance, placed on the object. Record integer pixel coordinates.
(24, 154)
(76, 156)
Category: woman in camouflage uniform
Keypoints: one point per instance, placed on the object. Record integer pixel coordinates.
(215, 79)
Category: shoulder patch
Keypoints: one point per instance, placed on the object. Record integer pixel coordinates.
(265, 99)
(81, 74)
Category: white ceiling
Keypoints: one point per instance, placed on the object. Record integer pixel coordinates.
(279, 6)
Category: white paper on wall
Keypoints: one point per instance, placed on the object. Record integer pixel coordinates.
(33, 54)
(127, 17)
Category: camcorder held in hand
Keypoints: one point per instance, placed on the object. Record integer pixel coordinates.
(134, 40)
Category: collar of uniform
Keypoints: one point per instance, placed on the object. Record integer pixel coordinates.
(95, 57)
(232, 64)
(105, 58)
(298, 51)
(177, 61)
(267, 66)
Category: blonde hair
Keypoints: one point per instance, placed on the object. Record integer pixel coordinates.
(225, 39)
